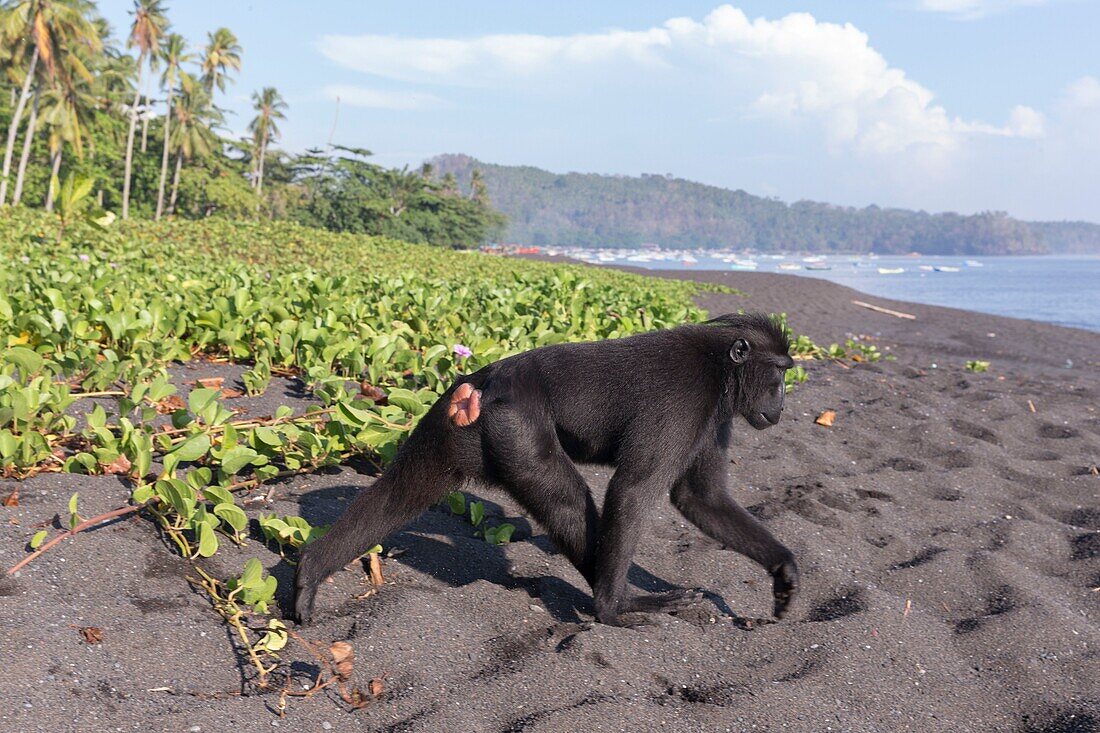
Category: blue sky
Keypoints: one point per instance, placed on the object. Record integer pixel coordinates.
(961, 105)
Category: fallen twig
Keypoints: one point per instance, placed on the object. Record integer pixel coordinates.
(887, 311)
(86, 524)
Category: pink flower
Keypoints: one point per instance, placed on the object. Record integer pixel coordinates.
(84, 258)
(462, 351)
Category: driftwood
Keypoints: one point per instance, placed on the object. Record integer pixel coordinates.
(887, 311)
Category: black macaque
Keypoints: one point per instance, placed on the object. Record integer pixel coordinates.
(658, 406)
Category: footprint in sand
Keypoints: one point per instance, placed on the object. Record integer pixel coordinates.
(1057, 432)
(1085, 546)
(998, 602)
(972, 430)
(843, 604)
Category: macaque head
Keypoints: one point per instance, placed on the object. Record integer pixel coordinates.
(759, 358)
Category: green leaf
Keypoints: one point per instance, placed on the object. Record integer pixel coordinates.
(193, 448)
(237, 458)
(275, 637)
(28, 360)
(200, 399)
(232, 515)
(208, 541)
(267, 436)
(407, 401)
(253, 574)
(142, 494)
(217, 494)
(477, 512)
(503, 534)
(457, 502)
(39, 536)
(74, 518)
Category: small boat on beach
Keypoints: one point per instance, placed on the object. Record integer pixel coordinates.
(891, 270)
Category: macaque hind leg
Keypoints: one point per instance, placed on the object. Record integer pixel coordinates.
(529, 463)
(630, 498)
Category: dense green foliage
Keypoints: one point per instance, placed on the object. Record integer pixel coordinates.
(576, 209)
(111, 309)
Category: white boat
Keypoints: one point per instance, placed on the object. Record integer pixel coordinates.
(946, 268)
(974, 263)
(790, 266)
(927, 268)
(818, 266)
(891, 270)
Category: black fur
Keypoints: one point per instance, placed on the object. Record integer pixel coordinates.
(659, 406)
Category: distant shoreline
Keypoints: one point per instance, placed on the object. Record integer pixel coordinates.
(792, 283)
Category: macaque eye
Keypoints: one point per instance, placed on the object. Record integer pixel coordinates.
(739, 351)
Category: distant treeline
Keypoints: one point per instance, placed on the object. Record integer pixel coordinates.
(587, 210)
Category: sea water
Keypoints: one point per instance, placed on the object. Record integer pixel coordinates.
(1053, 288)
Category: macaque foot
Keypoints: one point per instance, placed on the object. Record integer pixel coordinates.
(670, 602)
(784, 586)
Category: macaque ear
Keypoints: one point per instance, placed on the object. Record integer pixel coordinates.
(740, 351)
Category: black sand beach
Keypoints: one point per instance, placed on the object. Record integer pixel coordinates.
(947, 526)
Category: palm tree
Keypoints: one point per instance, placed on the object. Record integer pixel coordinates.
(193, 136)
(478, 189)
(47, 29)
(270, 108)
(173, 54)
(28, 143)
(66, 112)
(222, 53)
(150, 24)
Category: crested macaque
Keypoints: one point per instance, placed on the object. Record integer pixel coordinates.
(659, 407)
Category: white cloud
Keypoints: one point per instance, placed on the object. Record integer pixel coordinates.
(973, 9)
(795, 67)
(1082, 94)
(357, 96)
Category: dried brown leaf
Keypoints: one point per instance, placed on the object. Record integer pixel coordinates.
(170, 404)
(343, 657)
(375, 686)
(375, 565)
(91, 634)
(826, 418)
(229, 393)
(372, 392)
(120, 465)
(12, 499)
(355, 698)
(210, 382)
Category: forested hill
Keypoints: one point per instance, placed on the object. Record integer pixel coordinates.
(575, 209)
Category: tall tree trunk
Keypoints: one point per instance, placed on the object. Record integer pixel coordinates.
(260, 176)
(145, 125)
(175, 184)
(164, 157)
(13, 128)
(130, 142)
(28, 141)
(55, 158)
